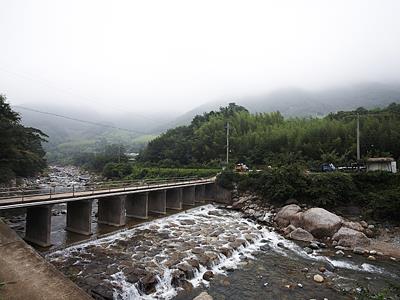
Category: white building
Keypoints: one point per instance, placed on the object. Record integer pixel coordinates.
(381, 164)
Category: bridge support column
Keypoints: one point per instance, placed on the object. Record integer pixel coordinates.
(79, 217)
(200, 193)
(223, 195)
(112, 210)
(38, 225)
(157, 202)
(174, 198)
(210, 191)
(188, 195)
(137, 205)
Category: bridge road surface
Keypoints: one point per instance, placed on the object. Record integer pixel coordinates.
(27, 200)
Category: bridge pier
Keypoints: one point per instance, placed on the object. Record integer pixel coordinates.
(79, 217)
(137, 205)
(174, 198)
(38, 225)
(157, 202)
(112, 210)
(188, 195)
(223, 195)
(210, 191)
(200, 191)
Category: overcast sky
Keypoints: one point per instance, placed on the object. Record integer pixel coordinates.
(175, 55)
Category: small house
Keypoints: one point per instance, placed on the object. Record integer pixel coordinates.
(381, 164)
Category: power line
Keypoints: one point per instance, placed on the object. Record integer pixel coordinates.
(77, 120)
(48, 84)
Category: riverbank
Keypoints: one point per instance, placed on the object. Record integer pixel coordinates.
(373, 237)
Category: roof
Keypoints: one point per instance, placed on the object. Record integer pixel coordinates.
(380, 159)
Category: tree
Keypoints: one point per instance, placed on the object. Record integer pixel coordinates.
(21, 152)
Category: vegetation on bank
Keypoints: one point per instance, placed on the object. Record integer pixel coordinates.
(21, 152)
(270, 139)
(134, 171)
(377, 193)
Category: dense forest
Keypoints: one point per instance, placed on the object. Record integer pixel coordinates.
(21, 152)
(270, 139)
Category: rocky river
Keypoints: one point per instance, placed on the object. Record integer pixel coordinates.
(244, 251)
(216, 250)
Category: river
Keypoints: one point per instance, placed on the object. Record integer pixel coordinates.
(166, 259)
(205, 248)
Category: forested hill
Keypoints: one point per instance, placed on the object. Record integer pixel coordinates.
(296, 102)
(269, 138)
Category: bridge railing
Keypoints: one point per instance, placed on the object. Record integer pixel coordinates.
(90, 188)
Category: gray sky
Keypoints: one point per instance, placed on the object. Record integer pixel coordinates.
(175, 55)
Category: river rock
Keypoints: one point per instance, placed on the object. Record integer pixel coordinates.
(359, 250)
(288, 229)
(300, 234)
(371, 257)
(351, 238)
(318, 278)
(208, 275)
(320, 222)
(203, 296)
(148, 283)
(308, 250)
(364, 224)
(289, 214)
(353, 225)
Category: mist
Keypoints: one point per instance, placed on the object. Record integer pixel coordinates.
(167, 57)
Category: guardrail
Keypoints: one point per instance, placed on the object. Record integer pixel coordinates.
(90, 188)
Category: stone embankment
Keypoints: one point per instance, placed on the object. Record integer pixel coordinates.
(317, 228)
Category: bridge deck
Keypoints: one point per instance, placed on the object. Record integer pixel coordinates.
(49, 198)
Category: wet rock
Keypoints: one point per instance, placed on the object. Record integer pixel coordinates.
(371, 257)
(187, 222)
(320, 222)
(187, 269)
(289, 214)
(359, 250)
(186, 285)
(265, 247)
(300, 234)
(281, 245)
(208, 275)
(314, 246)
(364, 224)
(339, 252)
(226, 251)
(351, 238)
(203, 296)
(148, 283)
(194, 263)
(318, 278)
(197, 250)
(304, 270)
(103, 291)
(288, 229)
(308, 250)
(322, 269)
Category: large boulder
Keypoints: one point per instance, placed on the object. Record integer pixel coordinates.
(348, 237)
(320, 222)
(300, 234)
(353, 225)
(289, 214)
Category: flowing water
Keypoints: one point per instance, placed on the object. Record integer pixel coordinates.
(166, 258)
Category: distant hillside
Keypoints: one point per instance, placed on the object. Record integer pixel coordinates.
(294, 102)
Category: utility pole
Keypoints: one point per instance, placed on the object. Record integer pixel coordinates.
(358, 138)
(227, 144)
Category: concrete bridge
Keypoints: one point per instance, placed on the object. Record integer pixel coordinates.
(116, 201)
